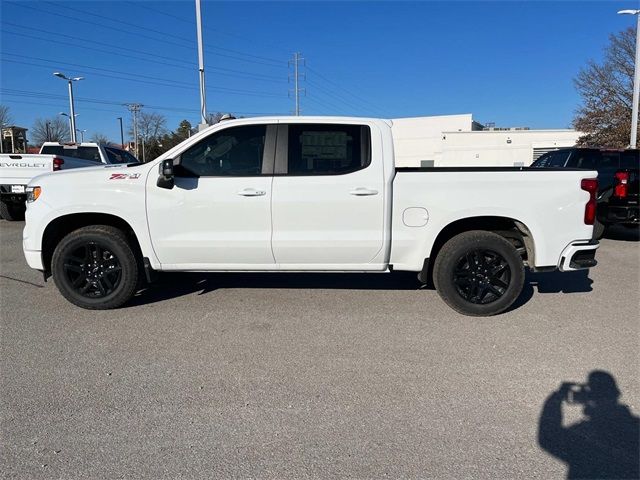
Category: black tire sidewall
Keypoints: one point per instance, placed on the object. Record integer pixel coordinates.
(111, 239)
(448, 259)
(7, 212)
(599, 230)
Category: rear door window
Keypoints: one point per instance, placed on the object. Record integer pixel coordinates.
(327, 149)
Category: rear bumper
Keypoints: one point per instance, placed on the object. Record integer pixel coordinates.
(8, 195)
(611, 214)
(579, 256)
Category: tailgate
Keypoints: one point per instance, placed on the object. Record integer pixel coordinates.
(18, 169)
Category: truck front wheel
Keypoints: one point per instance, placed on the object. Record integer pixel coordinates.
(95, 268)
(478, 273)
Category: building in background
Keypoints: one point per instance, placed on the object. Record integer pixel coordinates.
(13, 139)
(458, 140)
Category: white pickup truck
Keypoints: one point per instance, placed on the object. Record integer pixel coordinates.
(318, 194)
(17, 170)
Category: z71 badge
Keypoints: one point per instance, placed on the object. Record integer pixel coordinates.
(124, 176)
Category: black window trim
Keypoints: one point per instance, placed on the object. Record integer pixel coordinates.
(268, 154)
(282, 149)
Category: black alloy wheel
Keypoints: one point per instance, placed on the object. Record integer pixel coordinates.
(95, 267)
(479, 273)
(92, 270)
(482, 276)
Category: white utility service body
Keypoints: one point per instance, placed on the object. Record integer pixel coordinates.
(373, 219)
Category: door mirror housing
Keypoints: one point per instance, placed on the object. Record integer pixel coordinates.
(166, 176)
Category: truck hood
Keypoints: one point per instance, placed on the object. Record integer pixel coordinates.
(95, 175)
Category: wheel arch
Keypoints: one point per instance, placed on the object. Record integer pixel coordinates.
(61, 226)
(511, 229)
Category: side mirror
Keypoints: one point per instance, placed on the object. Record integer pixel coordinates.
(166, 178)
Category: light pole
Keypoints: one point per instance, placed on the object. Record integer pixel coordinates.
(121, 133)
(72, 111)
(71, 124)
(636, 80)
(81, 134)
(203, 94)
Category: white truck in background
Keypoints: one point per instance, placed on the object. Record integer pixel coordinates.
(307, 194)
(17, 170)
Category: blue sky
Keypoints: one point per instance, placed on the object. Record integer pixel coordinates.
(506, 62)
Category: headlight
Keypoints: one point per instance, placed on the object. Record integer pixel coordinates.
(33, 193)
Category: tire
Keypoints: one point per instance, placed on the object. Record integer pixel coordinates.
(466, 286)
(95, 268)
(599, 230)
(11, 211)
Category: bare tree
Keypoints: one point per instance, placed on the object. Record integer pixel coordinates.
(151, 125)
(606, 89)
(5, 115)
(54, 129)
(213, 118)
(101, 139)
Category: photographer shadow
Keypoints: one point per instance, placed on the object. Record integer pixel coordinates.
(605, 444)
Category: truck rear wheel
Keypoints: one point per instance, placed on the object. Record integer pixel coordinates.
(599, 230)
(478, 273)
(95, 268)
(11, 211)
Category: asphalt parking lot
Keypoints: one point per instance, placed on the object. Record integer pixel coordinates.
(289, 376)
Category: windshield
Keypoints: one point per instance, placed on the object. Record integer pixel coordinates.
(117, 155)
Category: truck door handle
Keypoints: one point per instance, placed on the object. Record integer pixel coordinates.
(363, 191)
(251, 192)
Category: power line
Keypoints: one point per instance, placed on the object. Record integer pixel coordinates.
(324, 103)
(137, 34)
(218, 31)
(52, 96)
(137, 27)
(189, 41)
(366, 102)
(337, 98)
(154, 59)
(58, 62)
(162, 82)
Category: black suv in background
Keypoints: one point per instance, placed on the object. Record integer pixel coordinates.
(617, 181)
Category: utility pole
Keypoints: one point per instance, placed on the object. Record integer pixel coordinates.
(134, 108)
(296, 81)
(121, 133)
(203, 93)
(48, 132)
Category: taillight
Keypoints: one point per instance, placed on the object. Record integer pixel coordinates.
(622, 184)
(57, 164)
(590, 185)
